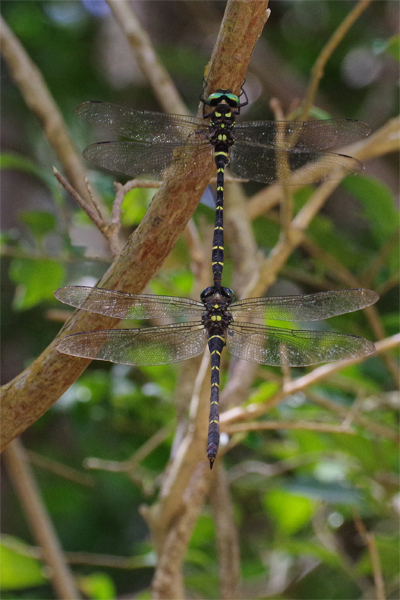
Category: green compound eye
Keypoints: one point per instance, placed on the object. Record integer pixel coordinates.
(215, 98)
(231, 99)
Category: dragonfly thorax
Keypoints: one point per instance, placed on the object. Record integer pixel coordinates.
(216, 302)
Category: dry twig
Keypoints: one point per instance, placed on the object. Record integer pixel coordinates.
(227, 536)
(252, 411)
(39, 521)
(147, 59)
(38, 98)
(326, 53)
(369, 541)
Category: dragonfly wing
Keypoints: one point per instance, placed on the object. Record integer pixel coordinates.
(147, 160)
(309, 135)
(145, 126)
(275, 346)
(290, 167)
(311, 307)
(151, 346)
(128, 306)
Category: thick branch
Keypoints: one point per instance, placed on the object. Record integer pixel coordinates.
(31, 393)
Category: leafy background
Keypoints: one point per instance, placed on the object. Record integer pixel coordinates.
(294, 492)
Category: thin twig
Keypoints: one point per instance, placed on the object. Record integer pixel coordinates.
(389, 284)
(60, 469)
(38, 98)
(32, 254)
(341, 273)
(385, 251)
(369, 541)
(285, 246)
(370, 425)
(242, 244)
(327, 51)
(255, 410)
(226, 535)
(147, 59)
(383, 141)
(344, 275)
(109, 230)
(286, 204)
(196, 251)
(305, 425)
(93, 213)
(39, 521)
(83, 558)
(131, 463)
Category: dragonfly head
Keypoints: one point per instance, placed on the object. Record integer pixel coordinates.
(223, 96)
(211, 294)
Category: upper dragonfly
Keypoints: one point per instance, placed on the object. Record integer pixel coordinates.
(289, 152)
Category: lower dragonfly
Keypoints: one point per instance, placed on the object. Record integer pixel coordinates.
(214, 325)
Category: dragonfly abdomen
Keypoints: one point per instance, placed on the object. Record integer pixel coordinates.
(216, 342)
(217, 258)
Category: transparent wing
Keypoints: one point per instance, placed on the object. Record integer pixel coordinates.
(152, 346)
(312, 307)
(149, 160)
(128, 306)
(292, 167)
(309, 135)
(275, 346)
(145, 126)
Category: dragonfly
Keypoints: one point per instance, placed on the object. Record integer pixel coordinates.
(215, 323)
(289, 152)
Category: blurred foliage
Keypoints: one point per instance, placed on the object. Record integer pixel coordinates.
(297, 533)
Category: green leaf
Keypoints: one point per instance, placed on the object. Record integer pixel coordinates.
(40, 222)
(289, 511)
(178, 283)
(377, 205)
(135, 204)
(304, 547)
(264, 391)
(393, 47)
(36, 280)
(18, 571)
(10, 160)
(98, 586)
(329, 492)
